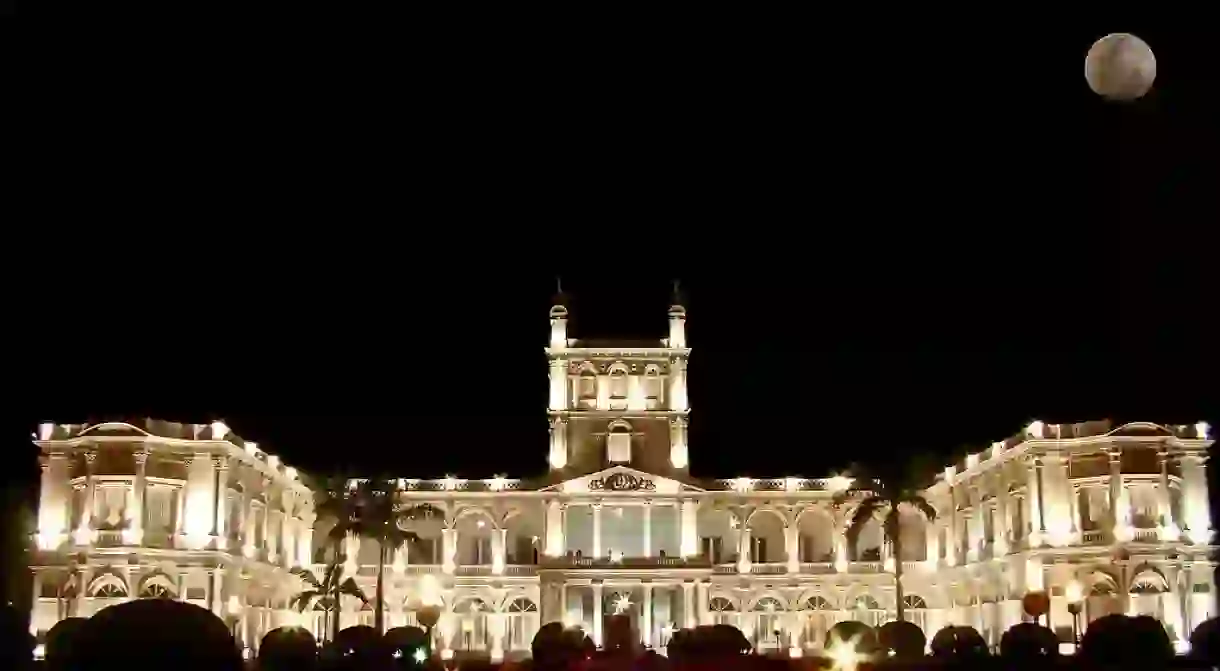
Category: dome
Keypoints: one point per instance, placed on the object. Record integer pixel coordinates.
(677, 311)
(559, 312)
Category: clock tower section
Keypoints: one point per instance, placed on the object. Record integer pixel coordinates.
(618, 402)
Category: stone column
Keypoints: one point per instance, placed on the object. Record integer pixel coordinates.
(743, 550)
(690, 528)
(951, 542)
(448, 550)
(554, 528)
(305, 541)
(932, 537)
(1001, 525)
(1195, 509)
(1036, 498)
(703, 611)
(84, 532)
(646, 617)
(1074, 506)
(793, 547)
(498, 541)
(1169, 530)
(840, 551)
(688, 605)
(597, 612)
(597, 530)
(53, 507)
(220, 466)
(495, 622)
(135, 528)
(648, 528)
(1120, 513)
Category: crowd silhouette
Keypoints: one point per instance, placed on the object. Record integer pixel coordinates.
(177, 636)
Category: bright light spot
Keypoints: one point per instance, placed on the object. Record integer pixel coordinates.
(839, 483)
(1036, 428)
(45, 431)
(480, 524)
(219, 430)
(1181, 646)
(621, 603)
(450, 483)
(1203, 430)
(888, 565)
(40, 650)
(843, 654)
(616, 556)
(397, 654)
(446, 654)
(743, 484)
(1074, 592)
(420, 656)
(429, 590)
(497, 483)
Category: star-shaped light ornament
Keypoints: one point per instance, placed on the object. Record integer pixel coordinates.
(420, 656)
(621, 603)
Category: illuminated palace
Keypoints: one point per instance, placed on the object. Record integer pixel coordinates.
(1112, 517)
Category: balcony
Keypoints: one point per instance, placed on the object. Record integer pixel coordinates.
(624, 563)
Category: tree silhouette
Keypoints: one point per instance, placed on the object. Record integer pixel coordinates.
(326, 592)
(369, 509)
(887, 491)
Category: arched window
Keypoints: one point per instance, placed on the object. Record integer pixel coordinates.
(618, 442)
(816, 602)
(155, 588)
(722, 611)
(768, 624)
(471, 634)
(522, 623)
(914, 601)
(916, 610)
(652, 387)
(586, 388)
(109, 587)
(867, 610)
(618, 387)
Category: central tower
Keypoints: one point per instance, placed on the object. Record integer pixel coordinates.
(618, 402)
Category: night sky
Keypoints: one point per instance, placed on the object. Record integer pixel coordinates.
(920, 252)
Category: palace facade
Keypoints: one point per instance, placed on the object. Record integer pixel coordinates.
(1115, 518)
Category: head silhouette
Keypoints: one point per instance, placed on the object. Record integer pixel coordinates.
(62, 642)
(288, 649)
(156, 634)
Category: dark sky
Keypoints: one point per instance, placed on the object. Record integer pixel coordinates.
(914, 245)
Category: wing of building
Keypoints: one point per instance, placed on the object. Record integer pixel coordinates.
(1114, 518)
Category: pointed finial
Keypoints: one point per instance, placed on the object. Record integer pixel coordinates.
(559, 301)
(676, 308)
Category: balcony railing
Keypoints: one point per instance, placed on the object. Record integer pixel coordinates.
(625, 562)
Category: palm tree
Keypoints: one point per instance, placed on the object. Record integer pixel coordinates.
(370, 509)
(886, 494)
(327, 592)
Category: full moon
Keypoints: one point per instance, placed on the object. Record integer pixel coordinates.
(1120, 67)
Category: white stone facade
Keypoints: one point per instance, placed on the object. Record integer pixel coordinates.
(159, 509)
(619, 525)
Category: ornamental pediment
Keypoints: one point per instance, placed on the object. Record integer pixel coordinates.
(622, 480)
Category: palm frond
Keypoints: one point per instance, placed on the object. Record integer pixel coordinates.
(305, 600)
(350, 588)
(864, 512)
(307, 576)
(924, 506)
